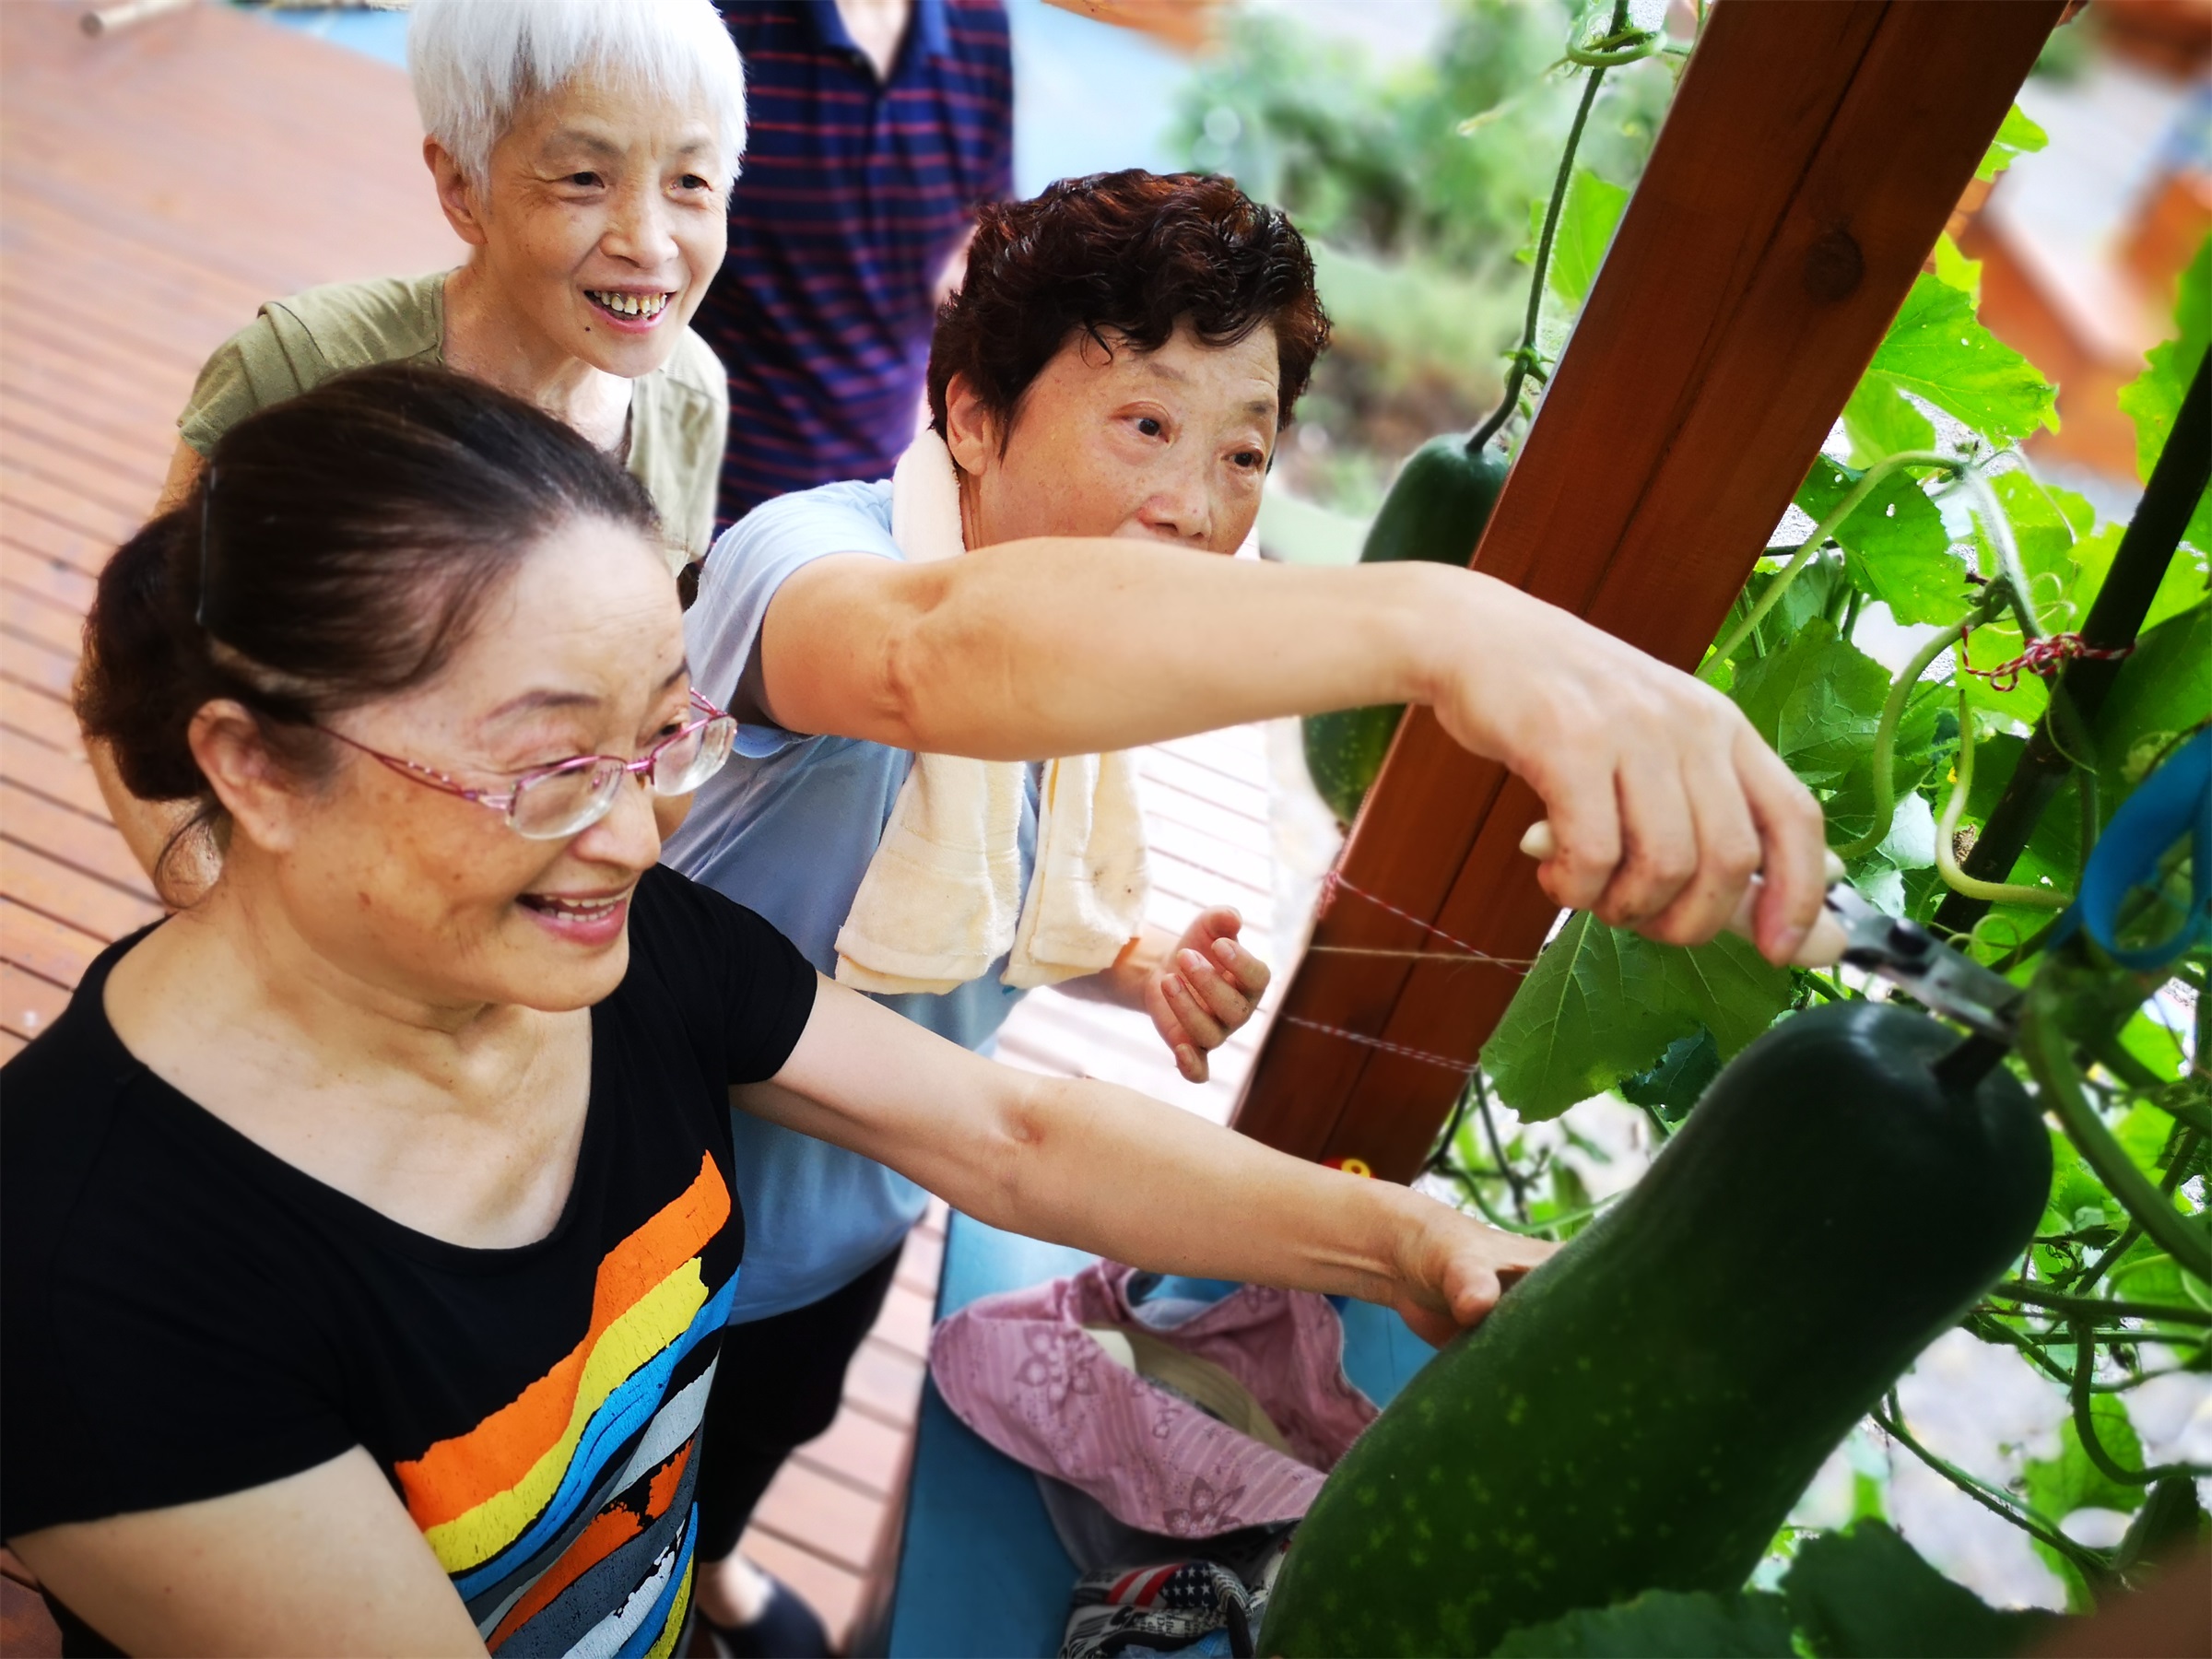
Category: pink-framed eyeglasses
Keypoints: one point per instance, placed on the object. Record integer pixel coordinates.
(552, 802)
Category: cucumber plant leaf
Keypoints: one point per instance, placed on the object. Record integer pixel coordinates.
(1587, 220)
(1673, 1087)
(2162, 691)
(1662, 1624)
(2187, 581)
(1880, 422)
(2058, 1486)
(2017, 136)
(2152, 399)
(1817, 701)
(1900, 551)
(1955, 268)
(1866, 1594)
(1937, 350)
(1603, 1004)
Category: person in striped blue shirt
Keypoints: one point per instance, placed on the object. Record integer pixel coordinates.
(878, 126)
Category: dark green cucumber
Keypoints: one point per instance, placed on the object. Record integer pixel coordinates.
(1435, 511)
(1641, 1411)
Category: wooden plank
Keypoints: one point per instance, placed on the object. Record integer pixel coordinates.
(51, 579)
(39, 945)
(86, 844)
(27, 482)
(53, 888)
(29, 1003)
(826, 1516)
(27, 1630)
(30, 662)
(31, 616)
(858, 1451)
(60, 778)
(1809, 162)
(116, 482)
(39, 716)
(884, 1383)
(44, 537)
(905, 1321)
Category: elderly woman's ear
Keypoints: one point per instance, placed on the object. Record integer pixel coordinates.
(457, 194)
(262, 800)
(971, 430)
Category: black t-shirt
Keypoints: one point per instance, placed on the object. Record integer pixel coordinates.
(185, 1314)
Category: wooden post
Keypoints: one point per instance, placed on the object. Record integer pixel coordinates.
(1812, 155)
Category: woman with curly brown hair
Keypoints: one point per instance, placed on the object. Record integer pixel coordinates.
(1106, 392)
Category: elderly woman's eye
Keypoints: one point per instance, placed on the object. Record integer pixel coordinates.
(693, 181)
(1249, 458)
(583, 181)
(1149, 426)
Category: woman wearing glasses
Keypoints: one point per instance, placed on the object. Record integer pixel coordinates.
(369, 1226)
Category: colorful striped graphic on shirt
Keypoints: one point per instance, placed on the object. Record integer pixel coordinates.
(565, 1516)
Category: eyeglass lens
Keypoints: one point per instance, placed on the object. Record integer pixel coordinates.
(565, 802)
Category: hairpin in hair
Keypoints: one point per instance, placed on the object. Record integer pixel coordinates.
(207, 535)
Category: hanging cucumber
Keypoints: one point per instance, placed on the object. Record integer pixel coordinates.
(1435, 511)
(1442, 497)
(1641, 1411)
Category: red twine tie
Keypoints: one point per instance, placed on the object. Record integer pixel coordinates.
(2043, 657)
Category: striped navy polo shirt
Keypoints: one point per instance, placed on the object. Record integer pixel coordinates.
(855, 194)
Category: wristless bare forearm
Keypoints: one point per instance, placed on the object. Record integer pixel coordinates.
(1051, 647)
(1113, 1172)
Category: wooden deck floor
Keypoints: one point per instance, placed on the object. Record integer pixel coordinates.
(155, 188)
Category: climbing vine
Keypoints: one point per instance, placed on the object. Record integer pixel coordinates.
(1903, 646)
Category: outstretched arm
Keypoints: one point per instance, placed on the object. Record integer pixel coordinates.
(1107, 1169)
(1663, 799)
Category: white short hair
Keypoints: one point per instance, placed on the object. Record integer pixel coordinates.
(475, 63)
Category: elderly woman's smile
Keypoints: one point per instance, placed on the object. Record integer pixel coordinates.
(602, 212)
(631, 309)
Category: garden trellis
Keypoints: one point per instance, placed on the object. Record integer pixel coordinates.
(1809, 161)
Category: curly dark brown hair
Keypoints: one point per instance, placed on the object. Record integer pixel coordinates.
(1127, 254)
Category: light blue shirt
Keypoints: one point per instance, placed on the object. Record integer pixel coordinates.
(787, 829)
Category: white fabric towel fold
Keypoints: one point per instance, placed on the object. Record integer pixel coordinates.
(941, 901)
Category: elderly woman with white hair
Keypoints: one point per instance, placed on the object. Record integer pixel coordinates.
(584, 150)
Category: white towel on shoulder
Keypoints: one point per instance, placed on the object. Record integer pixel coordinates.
(941, 899)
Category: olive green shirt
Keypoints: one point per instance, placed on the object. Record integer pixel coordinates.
(679, 415)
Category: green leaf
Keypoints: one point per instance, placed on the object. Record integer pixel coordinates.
(2053, 857)
(2187, 581)
(1674, 1086)
(1901, 552)
(1603, 1004)
(2161, 691)
(2158, 1277)
(1936, 350)
(2017, 136)
(2056, 1487)
(2047, 523)
(1882, 421)
(2154, 397)
(1662, 1624)
(1866, 1594)
(1817, 701)
(1587, 220)
(1955, 268)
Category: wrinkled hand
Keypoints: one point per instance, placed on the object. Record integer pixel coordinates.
(1663, 798)
(1204, 990)
(1451, 1269)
